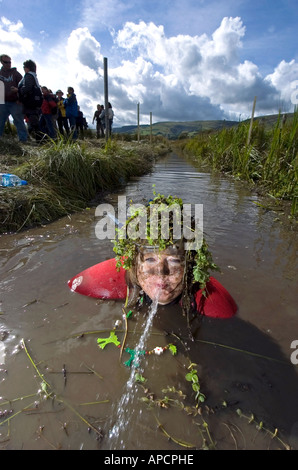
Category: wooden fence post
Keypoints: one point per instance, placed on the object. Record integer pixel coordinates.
(138, 119)
(106, 93)
(251, 121)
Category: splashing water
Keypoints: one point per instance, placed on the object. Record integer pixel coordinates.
(123, 411)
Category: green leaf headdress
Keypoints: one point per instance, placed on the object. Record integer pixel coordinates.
(136, 234)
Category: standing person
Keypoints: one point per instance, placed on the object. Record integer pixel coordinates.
(11, 77)
(99, 126)
(80, 123)
(31, 97)
(71, 106)
(111, 117)
(102, 118)
(48, 109)
(62, 119)
(54, 110)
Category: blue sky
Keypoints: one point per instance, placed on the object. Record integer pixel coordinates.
(190, 60)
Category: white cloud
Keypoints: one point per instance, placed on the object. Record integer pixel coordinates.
(183, 77)
(284, 79)
(226, 40)
(101, 14)
(203, 67)
(12, 41)
(83, 53)
(77, 63)
(10, 25)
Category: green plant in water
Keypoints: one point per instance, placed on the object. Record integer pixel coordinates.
(47, 392)
(260, 427)
(193, 377)
(140, 378)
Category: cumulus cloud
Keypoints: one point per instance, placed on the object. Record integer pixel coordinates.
(181, 77)
(285, 80)
(12, 41)
(177, 78)
(202, 67)
(78, 63)
(83, 50)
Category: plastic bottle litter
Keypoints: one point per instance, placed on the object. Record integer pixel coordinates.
(9, 180)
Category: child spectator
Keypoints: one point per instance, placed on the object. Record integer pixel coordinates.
(71, 106)
(62, 119)
(48, 109)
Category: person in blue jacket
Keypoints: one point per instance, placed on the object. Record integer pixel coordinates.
(71, 106)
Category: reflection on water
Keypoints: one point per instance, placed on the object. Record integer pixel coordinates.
(242, 364)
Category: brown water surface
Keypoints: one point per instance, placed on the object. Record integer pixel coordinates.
(243, 363)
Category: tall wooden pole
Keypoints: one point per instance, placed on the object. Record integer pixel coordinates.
(251, 121)
(138, 113)
(106, 93)
(150, 127)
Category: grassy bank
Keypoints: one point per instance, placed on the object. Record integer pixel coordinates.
(65, 177)
(269, 160)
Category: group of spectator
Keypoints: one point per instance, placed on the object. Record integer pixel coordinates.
(61, 114)
(100, 118)
(44, 112)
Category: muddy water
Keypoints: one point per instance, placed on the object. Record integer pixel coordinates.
(49, 334)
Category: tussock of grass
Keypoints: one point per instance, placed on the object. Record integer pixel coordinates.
(64, 177)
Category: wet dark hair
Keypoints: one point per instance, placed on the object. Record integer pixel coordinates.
(29, 64)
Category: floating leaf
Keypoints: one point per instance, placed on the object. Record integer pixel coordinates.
(196, 387)
(173, 349)
(189, 377)
(140, 378)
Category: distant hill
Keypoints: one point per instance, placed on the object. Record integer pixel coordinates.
(175, 130)
(271, 119)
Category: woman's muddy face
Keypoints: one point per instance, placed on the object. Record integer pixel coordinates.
(160, 275)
